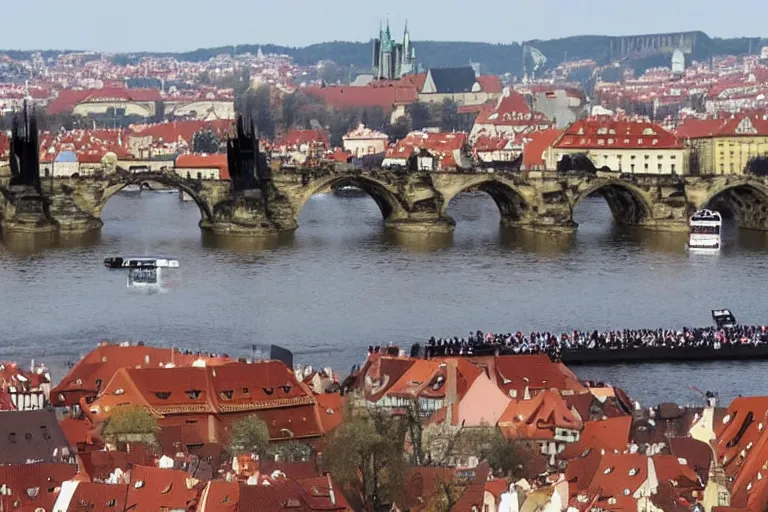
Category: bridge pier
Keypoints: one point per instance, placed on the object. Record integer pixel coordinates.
(436, 226)
(25, 210)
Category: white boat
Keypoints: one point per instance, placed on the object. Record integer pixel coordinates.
(140, 262)
(704, 231)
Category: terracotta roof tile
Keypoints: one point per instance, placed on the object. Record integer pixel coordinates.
(151, 488)
(607, 133)
(611, 435)
(538, 417)
(219, 496)
(34, 485)
(91, 496)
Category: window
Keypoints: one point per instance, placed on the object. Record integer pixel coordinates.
(193, 394)
(199, 175)
(647, 157)
(111, 503)
(162, 395)
(226, 394)
(245, 391)
(632, 157)
(646, 166)
(672, 157)
(659, 167)
(632, 168)
(672, 167)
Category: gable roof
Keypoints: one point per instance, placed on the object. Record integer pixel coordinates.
(77, 495)
(611, 434)
(35, 435)
(452, 80)
(97, 367)
(538, 417)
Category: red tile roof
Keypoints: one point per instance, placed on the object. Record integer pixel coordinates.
(297, 138)
(607, 133)
(152, 488)
(536, 372)
(535, 147)
(219, 496)
(68, 98)
(100, 365)
(538, 418)
(356, 97)
(490, 83)
(96, 496)
(610, 435)
(34, 486)
(198, 161)
(281, 493)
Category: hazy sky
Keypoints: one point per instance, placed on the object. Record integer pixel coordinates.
(177, 25)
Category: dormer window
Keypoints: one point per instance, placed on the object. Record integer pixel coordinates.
(286, 433)
(286, 389)
(167, 489)
(268, 391)
(626, 492)
(33, 492)
(608, 470)
(162, 395)
(437, 382)
(44, 432)
(139, 484)
(99, 382)
(226, 394)
(111, 503)
(245, 391)
(193, 394)
(611, 501)
(632, 472)
(119, 391)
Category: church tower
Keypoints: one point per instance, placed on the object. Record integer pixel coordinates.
(392, 60)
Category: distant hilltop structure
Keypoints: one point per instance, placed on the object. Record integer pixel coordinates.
(392, 60)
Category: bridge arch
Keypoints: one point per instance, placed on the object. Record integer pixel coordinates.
(122, 179)
(627, 202)
(510, 201)
(746, 198)
(386, 200)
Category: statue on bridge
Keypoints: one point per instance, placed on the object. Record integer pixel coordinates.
(248, 167)
(24, 148)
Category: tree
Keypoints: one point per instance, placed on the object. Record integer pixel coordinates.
(449, 116)
(400, 129)
(249, 435)
(257, 104)
(205, 141)
(365, 456)
(419, 114)
(131, 423)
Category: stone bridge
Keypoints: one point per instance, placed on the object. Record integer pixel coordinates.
(409, 201)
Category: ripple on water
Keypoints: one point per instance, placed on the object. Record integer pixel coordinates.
(342, 282)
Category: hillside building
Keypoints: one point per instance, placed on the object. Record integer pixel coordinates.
(622, 146)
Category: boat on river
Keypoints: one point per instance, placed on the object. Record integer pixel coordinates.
(704, 231)
(150, 274)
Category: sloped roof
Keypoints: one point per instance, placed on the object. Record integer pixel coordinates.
(536, 145)
(611, 434)
(538, 417)
(356, 97)
(453, 80)
(35, 435)
(490, 83)
(35, 485)
(219, 496)
(608, 133)
(151, 488)
(92, 496)
(100, 365)
(516, 372)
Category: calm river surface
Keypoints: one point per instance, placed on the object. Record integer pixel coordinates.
(342, 282)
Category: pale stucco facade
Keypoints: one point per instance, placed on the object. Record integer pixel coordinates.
(132, 108)
(728, 155)
(207, 110)
(633, 161)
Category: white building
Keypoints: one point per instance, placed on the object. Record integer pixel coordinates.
(363, 141)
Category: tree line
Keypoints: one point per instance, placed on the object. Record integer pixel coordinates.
(274, 114)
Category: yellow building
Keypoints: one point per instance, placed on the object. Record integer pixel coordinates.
(622, 146)
(725, 146)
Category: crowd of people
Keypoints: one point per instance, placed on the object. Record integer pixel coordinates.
(481, 343)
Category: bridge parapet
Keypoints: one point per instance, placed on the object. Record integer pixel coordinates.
(418, 201)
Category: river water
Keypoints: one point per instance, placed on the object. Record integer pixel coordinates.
(342, 282)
